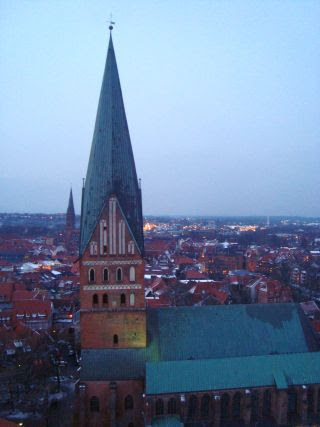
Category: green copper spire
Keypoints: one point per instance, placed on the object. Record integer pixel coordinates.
(111, 168)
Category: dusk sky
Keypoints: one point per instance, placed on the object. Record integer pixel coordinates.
(222, 101)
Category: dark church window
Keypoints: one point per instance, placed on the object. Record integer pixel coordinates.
(91, 275)
(94, 404)
(172, 406)
(292, 403)
(266, 405)
(105, 299)
(318, 403)
(192, 407)
(115, 339)
(159, 407)
(122, 299)
(105, 275)
(95, 299)
(119, 274)
(128, 402)
(310, 398)
(205, 405)
(236, 406)
(254, 406)
(225, 402)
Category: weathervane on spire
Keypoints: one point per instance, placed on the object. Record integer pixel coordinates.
(111, 23)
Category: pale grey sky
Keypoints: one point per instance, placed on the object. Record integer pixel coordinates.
(222, 101)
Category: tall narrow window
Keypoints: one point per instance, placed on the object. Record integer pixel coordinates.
(95, 300)
(131, 247)
(119, 274)
(91, 275)
(205, 405)
(236, 406)
(172, 406)
(122, 299)
(132, 299)
(192, 407)
(128, 402)
(93, 248)
(132, 274)
(103, 237)
(115, 339)
(159, 407)
(105, 299)
(105, 275)
(266, 404)
(94, 404)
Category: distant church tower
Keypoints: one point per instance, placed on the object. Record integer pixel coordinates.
(70, 217)
(113, 313)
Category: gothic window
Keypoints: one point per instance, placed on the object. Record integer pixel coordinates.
(119, 274)
(131, 247)
(128, 402)
(105, 299)
(132, 274)
(266, 405)
(236, 406)
(225, 402)
(132, 299)
(310, 399)
(192, 407)
(122, 299)
(115, 339)
(159, 407)
(172, 406)
(292, 403)
(91, 275)
(105, 275)
(254, 406)
(94, 404)
(205, 405)
(95, 299)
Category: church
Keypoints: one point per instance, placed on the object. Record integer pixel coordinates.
(179, 366)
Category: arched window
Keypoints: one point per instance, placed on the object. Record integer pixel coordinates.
(236, 406)
(119, 274)
(105, 299)
(205, 405)
(159, 407)
(310, 399)
(266, 404)
(132, 274)
(105, 275)
(292, 404)
(122, 299)
(115, 339)
(172, 406)
(131, 299)
(95, 299)
(128, 402)
(225, 402)
(193, 405)
(254, 406)
(91, 275)
(94, 404)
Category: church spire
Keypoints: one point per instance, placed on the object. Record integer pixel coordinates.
(70, 219)
(111, 169)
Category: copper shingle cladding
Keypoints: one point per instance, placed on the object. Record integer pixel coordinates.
(111, 168)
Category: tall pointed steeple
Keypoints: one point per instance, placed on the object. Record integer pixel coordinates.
(111, 168)
(70, 219)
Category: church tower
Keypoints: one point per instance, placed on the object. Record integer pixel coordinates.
(113, 313)
(70, 217)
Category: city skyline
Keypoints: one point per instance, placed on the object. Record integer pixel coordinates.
(227, 95)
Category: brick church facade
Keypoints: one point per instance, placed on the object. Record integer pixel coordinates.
(177, 366)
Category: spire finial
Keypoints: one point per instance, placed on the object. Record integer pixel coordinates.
(111, 23)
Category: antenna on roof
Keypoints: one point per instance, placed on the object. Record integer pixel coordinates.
(111, 23)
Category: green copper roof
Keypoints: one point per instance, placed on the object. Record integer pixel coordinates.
(207, 332)
(111, 168)
(231, 373)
